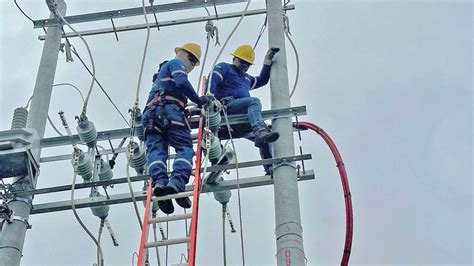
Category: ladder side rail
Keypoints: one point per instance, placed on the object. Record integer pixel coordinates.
(197, 185)
(146, 226)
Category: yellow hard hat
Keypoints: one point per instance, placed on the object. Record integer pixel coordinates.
(246, 53)
(192, 48)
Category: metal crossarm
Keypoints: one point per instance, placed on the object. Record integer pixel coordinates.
(141, 178)
(125, 132)
(129, 12)
(142, 195)
(165, 23)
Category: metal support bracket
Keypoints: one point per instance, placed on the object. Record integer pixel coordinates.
(20, 219)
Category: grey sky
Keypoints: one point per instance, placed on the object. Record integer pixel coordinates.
(390, 81)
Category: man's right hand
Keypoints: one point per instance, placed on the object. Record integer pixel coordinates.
(205, 100)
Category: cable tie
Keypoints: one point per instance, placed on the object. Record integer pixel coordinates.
(348, 194)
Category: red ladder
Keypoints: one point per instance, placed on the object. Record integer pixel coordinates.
(192, 240)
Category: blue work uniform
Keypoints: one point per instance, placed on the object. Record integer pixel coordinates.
(232, 87)
(165, 124)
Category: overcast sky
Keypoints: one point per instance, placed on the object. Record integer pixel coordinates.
(390, 81)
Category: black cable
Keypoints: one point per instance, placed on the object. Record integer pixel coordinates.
(21, 10)
(100, 85)
(262, 30)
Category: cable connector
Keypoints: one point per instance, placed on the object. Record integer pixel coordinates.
(212, 31)
(51, 5)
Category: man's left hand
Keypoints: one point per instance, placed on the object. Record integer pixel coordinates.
(270, 55)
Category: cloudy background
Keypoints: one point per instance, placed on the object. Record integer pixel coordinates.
(390, 81)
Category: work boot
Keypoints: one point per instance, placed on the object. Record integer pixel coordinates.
(165, 205)
(184, 202)
(265, 136)
(269, 170)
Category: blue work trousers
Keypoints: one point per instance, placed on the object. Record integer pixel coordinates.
(253, 108)
(250, 106)
(165, 125)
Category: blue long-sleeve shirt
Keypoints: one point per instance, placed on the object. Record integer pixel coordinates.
(173, 81)
(227, 80)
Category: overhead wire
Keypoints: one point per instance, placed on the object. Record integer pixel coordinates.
(262, 30)
(134, 109)
(98, 83)
(203, 62)
(55, 85)
(137, 96)
(49, 118)
(286, 26)
(21, 10)
(84, 108)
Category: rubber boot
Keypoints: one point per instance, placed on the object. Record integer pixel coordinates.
(184, 202)
(165, 205)
(265, 136)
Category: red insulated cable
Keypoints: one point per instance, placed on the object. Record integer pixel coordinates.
(345, 186)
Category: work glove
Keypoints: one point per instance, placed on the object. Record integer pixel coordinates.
(206, 100)
(270, 55)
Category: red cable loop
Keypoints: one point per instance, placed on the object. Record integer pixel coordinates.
(345, 185)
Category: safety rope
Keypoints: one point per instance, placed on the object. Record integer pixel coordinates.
(238, 186)
(84, 108)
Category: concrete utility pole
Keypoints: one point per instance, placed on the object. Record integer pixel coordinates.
(289, 239)
(13, 234)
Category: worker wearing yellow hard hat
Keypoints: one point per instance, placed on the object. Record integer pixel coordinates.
(232, 85)
(166, 125)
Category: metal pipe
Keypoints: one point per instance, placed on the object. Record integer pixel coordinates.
(289, 240)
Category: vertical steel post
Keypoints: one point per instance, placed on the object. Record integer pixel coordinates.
(13, 234)
(288, 231)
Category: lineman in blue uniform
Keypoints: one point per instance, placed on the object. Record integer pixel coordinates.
(166, 124)
(231, 85)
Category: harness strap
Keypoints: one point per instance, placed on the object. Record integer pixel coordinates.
(159, 98)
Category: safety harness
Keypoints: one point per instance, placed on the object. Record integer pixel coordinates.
(165, 98)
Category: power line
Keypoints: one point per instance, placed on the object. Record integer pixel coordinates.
(21, 10)
(98, 83)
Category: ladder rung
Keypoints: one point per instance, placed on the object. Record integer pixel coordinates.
(170, 218)
(168, 242)
(174, 196)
